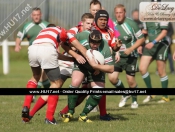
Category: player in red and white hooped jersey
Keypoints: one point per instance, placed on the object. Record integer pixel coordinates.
(43, 54)
(87, 20)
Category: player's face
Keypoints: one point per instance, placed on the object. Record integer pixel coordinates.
(102, 22)
(94, 8)
(94, 46)
(36, 16)
(87, 24)
(135, 15)
(120, 14)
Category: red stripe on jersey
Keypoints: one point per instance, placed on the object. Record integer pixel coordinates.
(55, 30)
(48, 37)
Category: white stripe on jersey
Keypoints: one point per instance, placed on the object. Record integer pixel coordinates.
(48, 32)
(138, 34)
(44, 40)
(109, 59)
(29, 26)
(42, 25)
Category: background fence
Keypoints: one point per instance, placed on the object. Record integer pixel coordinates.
(66, 13)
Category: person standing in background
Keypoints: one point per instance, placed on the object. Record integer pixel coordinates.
(30, 30)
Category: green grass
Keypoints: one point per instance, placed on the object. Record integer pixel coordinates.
(151, 117)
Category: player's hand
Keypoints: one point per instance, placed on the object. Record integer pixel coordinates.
(128, 51)
(96, 72)
(139, 49)
(17, 48)
(149, 45)
(92, 62)
(80, 59)
(117, 57)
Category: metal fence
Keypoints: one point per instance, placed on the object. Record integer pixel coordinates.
(66, 13)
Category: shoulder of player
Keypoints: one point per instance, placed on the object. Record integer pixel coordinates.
(129, 21)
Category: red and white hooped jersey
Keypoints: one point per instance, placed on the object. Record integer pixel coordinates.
(73, 31)
(108, 35)
(48, 35)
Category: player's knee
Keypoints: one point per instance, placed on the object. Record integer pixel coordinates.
(113, 79)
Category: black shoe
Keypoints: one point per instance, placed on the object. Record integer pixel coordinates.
(25, 114)
(53, 122)
(61, 115)
(107, 117)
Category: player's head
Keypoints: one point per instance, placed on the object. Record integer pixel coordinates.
(95, 6)
(87, 21)
(120, 13)
(135, 14)
(101, 19)
(36, 15)
(95, 39)
(51, 25)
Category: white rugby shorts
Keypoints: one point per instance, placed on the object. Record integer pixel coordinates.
(44, 55)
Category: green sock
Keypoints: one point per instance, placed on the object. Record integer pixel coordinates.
(134, 97)
(72, 100)
(147, 80)
(91, 103)
(164, 82)
(46, 83)
(119, 84)
(39, 85)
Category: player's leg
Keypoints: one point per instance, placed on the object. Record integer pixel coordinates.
(77, 78)
(145, 61)
(132, 84)
(32, 83)
(161, 66)
(54, 77)
(91, 102)
(44, 81)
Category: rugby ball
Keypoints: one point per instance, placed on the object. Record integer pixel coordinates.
(99, 58)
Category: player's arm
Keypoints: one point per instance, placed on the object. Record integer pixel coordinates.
(20, 37)
(65, 58)
(103, 68)
(18, 44)
(68, 49)
(163, 33)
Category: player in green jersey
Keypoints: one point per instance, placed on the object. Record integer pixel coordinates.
(131, 37)
(30, 30)
(156, 49)
(86, 38)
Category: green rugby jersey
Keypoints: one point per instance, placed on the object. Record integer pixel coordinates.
(30, 30)
(129, 33)
(83, 38)
(154, 29)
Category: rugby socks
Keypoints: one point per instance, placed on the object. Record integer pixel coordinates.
(46, 83)
(119, 84)
(38, 105)
(72, 99)
(147, 80)
(134, 97)
(91, 103)
(79, 101)
(28, 98)
(102, 105)
(164, 83)
(51, 106)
